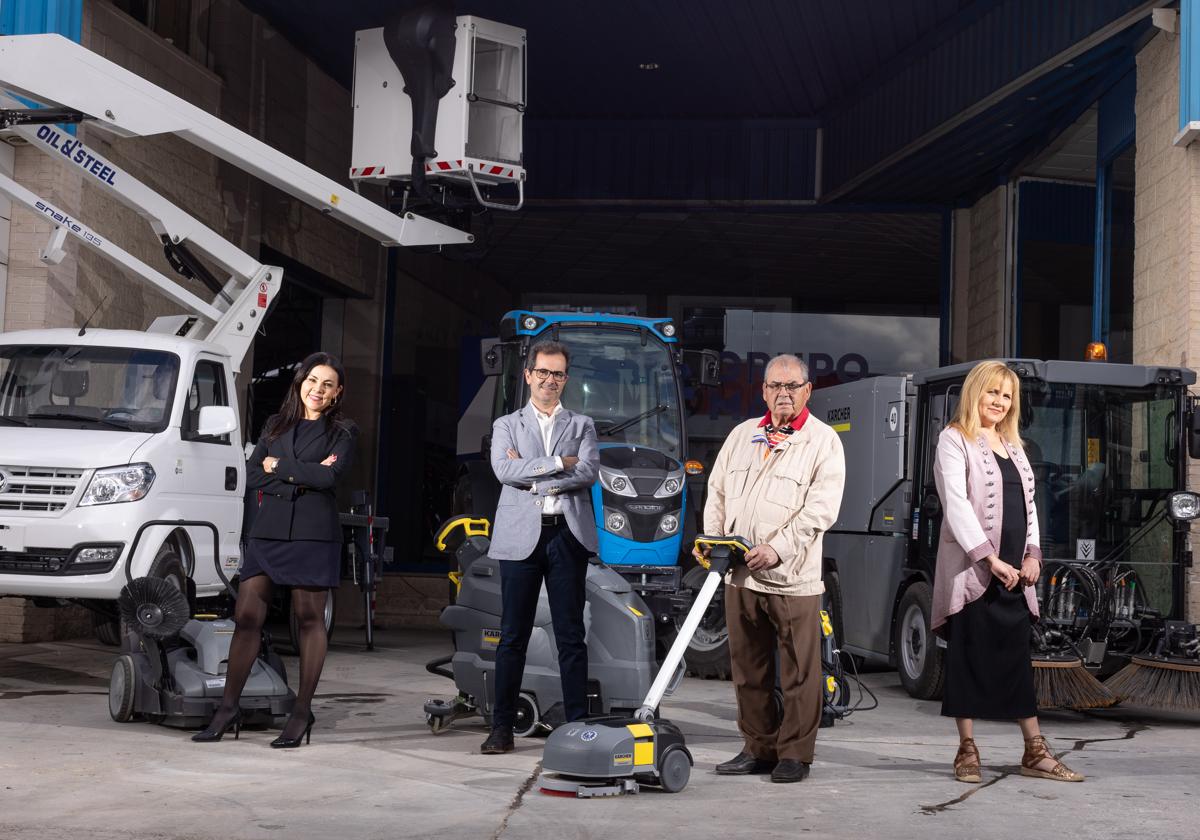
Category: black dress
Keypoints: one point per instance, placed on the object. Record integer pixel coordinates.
(316, 563)
(988, 669)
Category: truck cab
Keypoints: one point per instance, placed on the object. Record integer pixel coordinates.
(104, 433)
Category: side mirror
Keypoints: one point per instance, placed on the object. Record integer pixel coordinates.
(1193, 437)
(216, 420)
(491, 356)
(705, 367)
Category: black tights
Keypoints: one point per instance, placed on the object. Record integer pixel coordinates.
(249, 615)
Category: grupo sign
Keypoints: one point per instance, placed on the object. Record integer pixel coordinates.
(836, 348)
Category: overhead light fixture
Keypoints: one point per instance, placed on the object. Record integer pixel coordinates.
(1008, 125)
(649, 65)
(1031, 99)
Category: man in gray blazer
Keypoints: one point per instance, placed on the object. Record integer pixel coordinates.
(546, 458)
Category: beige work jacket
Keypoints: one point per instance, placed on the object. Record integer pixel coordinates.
(787, 497)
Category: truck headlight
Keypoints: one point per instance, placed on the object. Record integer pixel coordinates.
(617, 482)
(615, 522)
(1183, 506)
(671, 486)
(669, 524)
(118, 484)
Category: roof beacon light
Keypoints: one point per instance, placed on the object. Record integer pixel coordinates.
(1096, 352)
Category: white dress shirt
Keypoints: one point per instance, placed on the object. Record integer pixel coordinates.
(550, 504)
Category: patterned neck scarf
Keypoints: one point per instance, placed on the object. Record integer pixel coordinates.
(771, 435)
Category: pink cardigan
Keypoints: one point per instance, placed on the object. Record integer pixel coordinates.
(969, 485)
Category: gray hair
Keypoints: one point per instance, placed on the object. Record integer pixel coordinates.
(788, 359)
(549, 348)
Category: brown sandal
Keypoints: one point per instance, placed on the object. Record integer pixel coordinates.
(1037, 751)
(966, 762)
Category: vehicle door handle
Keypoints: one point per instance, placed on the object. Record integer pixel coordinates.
(231, 478)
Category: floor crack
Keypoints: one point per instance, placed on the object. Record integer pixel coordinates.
(930, 810)
(517, 800)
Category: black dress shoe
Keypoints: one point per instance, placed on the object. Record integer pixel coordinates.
(744, 764)
(790, 770)
(497, 743)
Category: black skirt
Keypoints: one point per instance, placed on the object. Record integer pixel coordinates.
(989, 673)
(294, 562)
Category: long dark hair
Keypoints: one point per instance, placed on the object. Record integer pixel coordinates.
(292, 410)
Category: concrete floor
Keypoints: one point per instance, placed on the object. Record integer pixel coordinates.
(375, 771)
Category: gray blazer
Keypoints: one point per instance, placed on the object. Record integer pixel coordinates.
(518, 523)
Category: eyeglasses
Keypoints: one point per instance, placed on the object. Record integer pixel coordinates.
(542, 374)
(790, 387)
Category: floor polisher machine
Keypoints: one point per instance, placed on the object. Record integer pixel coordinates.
(614, 755)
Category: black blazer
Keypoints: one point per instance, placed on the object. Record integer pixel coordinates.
(298, 498)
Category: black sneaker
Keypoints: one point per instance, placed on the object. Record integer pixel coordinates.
(789, 770)
(497, 743)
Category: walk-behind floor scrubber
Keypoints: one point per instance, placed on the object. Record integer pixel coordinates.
(171, 668)
(609, 756)
(620, 642)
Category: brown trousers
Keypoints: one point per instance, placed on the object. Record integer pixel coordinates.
(760, 624)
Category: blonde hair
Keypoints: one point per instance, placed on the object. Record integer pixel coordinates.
(982, 377)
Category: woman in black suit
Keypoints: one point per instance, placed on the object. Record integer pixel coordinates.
(295, 539)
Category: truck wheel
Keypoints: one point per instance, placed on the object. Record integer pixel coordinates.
(122, 689)
(527, 717)
(168, 566)
(708, 653)
(918, 658)
(108, 629)
(330, 615)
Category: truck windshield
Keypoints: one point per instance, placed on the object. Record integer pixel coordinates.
(1105, 459)
(626, 385)
(107, 388)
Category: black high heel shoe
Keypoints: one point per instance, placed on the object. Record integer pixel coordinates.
(285, 743)
(216, 733)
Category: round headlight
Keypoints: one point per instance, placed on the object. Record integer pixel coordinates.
(530, 322)
(669, 524)
(615, 522)
(619, 484)
(1184, 506)
(671, 485)
(668, 330)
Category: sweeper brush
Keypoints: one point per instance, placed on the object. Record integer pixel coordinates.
(155, 606)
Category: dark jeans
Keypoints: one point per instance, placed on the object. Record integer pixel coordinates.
(561, 562)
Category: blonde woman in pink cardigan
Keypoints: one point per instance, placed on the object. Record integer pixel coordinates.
(988, 561)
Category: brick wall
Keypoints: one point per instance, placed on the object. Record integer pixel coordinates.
(1166, 264)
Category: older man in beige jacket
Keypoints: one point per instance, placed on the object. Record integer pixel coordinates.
(777, 482)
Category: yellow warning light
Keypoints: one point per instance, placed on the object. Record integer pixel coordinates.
(694, 468)
(1096, 352)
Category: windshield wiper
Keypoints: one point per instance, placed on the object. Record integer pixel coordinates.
(625, 424)
(16, 421)
(76, 418)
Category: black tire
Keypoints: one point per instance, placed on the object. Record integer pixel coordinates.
(674, 770)
(919, 660)
(108, 629)
(330, 619)
(169, 566)
(708, 653)
(833, 604)
(122, 689)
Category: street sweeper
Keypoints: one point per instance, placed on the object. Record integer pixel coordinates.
(1108, 444)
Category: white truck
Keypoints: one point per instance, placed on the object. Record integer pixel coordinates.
(121, 452)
